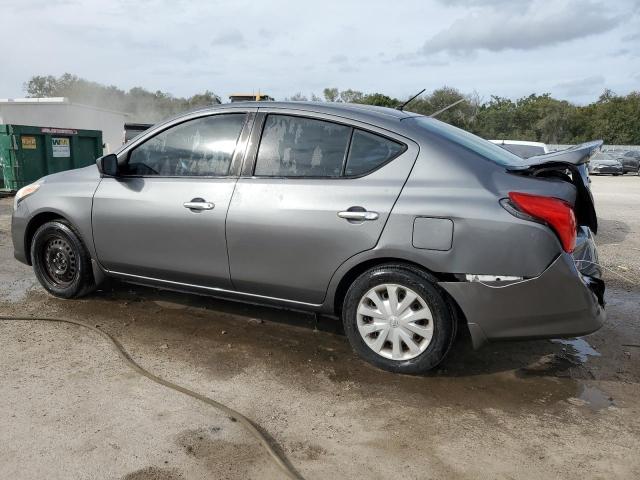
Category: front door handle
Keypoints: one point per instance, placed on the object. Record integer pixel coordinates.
(198, 204)
(356, 215)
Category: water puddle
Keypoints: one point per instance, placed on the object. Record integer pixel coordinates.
(581, 349)
(592, 398)
(596, 399)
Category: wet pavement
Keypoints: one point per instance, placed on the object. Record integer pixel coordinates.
(539, 409)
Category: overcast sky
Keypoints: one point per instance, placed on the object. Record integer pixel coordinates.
(571, 48)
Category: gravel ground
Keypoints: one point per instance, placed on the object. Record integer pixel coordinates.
(70, 409)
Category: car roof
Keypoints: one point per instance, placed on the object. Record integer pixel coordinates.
(388, 118)
(328, 107)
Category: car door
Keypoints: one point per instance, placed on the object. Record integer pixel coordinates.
(163, 217)
(630, 162)
(314, 192)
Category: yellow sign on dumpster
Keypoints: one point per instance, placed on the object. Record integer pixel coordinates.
(28, 143)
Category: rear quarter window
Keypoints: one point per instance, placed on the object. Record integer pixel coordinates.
(369, 151)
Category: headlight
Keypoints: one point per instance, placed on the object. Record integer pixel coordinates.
(24, 192)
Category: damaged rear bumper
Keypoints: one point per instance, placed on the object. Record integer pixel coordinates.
(561, 302)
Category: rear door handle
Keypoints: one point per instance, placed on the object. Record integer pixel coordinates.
(355, 215)
(198, 204)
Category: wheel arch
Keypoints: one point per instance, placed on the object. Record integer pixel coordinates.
(36, 222)
(347, 278)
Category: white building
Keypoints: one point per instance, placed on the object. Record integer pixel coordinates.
(59, 112)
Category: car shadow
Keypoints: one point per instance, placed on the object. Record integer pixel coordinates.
(526, 358)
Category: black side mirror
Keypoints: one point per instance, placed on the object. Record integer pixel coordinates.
(108, 165)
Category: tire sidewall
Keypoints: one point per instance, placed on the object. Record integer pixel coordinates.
(38, 243)
(442, 319)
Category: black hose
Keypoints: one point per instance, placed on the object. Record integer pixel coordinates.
(232, 414)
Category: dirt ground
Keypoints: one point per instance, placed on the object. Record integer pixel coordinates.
(70, 408)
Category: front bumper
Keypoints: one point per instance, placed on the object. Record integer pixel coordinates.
(561, 302)
(19, 220)
(610, 170)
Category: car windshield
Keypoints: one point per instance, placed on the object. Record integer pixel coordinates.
(603, 156)
(468, 140)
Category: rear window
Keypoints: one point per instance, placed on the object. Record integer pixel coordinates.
(301, 147)
(468, 140)
(523, 151)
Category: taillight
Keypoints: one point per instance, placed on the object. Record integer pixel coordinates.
(557, 213)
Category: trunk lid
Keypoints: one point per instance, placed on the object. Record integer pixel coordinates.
(569, 165)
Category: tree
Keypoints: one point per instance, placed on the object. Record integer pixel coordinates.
(298, 97)
(143, 105)
(331, 94)
(40, 86)
(380, 100)
(351, 96)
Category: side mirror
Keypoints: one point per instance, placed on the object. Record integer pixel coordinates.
(108, 165)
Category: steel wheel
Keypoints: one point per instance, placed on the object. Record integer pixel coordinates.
(394, 321)
(60, 261)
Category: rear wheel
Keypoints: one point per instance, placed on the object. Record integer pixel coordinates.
(396, 318)
(60, 260)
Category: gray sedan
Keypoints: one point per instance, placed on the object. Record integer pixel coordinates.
(406, 228)
(605, 163)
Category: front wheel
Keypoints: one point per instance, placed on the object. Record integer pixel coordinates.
(60, 260)
(396, 318)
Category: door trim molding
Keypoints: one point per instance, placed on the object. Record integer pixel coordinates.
(211, 289)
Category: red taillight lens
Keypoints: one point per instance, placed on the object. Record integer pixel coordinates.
(557, 213)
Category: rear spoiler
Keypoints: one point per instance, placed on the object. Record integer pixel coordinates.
(576, 155)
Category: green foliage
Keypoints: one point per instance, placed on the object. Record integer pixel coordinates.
(331, 95)
(613, 118)
(142, 105)
(541, 118)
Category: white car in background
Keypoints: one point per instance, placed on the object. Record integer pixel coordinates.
(523, 149)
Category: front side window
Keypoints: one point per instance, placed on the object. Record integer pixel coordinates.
(368, 151)
(199, 147)
(301, 147)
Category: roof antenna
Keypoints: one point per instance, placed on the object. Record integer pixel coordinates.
(401, 107)
(435, 114)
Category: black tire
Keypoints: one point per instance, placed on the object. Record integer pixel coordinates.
(60, 260)
(443, 317)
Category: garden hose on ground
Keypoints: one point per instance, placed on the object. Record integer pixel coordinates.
(233, 415)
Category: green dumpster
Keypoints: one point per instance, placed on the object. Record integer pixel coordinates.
(29, 153)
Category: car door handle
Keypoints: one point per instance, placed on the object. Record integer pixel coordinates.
(355, 215)
(198, 205)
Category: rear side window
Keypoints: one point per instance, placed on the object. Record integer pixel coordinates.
(368, 151)
(301, 147)
(199, 147)
(468, 140)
